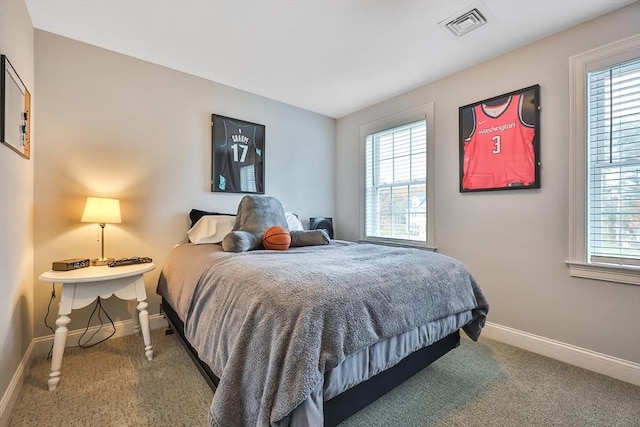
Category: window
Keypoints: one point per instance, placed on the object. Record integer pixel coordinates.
(398, 203)
(605, 150)
(613, 206)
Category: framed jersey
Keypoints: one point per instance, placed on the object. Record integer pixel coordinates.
(237, 148)
(500, 142)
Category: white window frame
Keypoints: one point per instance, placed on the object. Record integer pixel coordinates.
(580, 65)
(422, 112)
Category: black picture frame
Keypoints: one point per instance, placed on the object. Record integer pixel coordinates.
(15, 110)
(499, 142)
(238, 149)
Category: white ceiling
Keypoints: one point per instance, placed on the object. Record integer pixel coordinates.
(333, 57)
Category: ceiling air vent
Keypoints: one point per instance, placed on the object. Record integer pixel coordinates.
(466, 22)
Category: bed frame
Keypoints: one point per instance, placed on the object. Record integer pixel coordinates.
(351, 401)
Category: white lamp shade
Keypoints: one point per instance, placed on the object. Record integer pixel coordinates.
(101, 210)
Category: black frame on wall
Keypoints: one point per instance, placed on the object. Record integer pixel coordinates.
(499, 142)
(237, 148)
(15, 110)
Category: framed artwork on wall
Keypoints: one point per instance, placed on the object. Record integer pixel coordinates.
(500, 142)
(15, 110)
(237, 148)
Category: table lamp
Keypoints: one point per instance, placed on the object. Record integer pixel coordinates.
(103, 211)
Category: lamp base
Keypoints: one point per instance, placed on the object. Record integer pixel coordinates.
(101, 261)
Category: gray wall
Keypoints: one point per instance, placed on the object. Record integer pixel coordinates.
(16, 215)
(116, 126)
(514, 242)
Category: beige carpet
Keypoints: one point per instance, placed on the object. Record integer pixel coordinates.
(113, 384)
(486, 383)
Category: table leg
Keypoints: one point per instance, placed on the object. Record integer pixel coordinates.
(134, 317)
(59, 343)
(146, 331)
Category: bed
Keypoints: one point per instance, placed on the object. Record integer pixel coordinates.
(310, 335)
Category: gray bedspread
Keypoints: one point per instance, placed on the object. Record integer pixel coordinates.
(282, 319)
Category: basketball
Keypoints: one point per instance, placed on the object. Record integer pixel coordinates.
(276, 238)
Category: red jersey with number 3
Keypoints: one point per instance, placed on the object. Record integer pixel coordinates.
(499, 151)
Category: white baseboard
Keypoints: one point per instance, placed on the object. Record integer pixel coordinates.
(621, 369)
(13, 390)
(41, 345)
(125, 327)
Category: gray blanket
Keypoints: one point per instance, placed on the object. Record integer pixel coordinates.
(280, 320)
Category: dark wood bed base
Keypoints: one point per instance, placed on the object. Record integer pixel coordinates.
(351, 401)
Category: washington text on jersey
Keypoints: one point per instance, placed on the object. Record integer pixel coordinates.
(499, 151)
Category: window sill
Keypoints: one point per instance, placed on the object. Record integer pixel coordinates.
(611, 273)
(401, 245)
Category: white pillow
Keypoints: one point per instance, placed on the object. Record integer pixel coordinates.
(211, 229)
(293, 223)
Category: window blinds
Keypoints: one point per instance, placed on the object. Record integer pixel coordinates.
(614, 164)
(396, 183)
